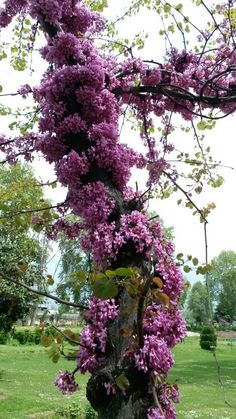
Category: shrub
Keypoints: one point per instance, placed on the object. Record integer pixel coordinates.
(27, 336)
(75, 411)
(208, 338)
(4, 337)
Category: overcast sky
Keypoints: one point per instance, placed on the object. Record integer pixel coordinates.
(189, 237)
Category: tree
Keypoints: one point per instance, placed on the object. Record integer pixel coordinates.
(75, 268)
(133, 319)
(22, 256)
(198, 303)
(17, 254)
(223, 285)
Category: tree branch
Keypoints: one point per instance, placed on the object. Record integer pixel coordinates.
(187, 196)
(68, 338)
(14, 214)
(42, 293)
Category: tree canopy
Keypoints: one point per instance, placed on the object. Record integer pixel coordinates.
(22, 254)
(223, 285)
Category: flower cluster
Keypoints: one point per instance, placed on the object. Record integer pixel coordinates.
(154, 357)
(167, 395)
(93, 337)
(165, 323)
(65, 382)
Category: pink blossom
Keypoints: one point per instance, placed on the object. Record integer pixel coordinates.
(65, 382)
(154, 357)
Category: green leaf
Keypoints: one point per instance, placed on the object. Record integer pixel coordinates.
(81, 275)
(124, 272)
(167, 8)
(201, 125)
(23, 266)
(195, 261)
(105, 288)
(110, 273)
(187, 268)
(179, 7)
(71, 335)
(54, 353)
(46, 340)
(122, 382)
(50, 280)
(100, 276)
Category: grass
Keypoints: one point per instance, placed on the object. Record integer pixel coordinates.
(196, 373)
(26, 376)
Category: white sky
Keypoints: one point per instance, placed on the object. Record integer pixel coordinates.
(189, 237)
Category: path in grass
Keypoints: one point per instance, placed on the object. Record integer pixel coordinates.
(196, 374)
(26, 376)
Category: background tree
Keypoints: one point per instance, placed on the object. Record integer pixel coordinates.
(223, 284)
(22, 252)
(198, 303)
(74, 271)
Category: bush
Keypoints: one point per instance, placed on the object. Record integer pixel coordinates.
(208, 338)
(27, 336)
(75, 411)
(4, 337)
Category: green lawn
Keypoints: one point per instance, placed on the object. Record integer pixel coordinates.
(26, 383)
(196, 373)
(26, 376)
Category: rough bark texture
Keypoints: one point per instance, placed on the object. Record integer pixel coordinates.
(134, 403)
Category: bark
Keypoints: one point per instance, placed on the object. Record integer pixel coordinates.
(133, 404)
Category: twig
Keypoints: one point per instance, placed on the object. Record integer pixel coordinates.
(14, 214)
(219, 377)
(42, 293)
(186, 194)
(68, 338)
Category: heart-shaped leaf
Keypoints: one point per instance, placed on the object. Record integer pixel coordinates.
(105, 288)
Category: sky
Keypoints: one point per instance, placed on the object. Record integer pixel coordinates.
(188, 232)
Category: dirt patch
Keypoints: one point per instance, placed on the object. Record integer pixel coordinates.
(226, 335)
(2, 396)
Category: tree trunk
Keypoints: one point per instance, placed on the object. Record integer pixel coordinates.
(134, 402)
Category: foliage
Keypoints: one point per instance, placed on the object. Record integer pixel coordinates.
(4, 337)
(75, 411)
(198, 303)
(22, 256)
(75, 267)
(20, 194)
(223, 285)
(27, 336)
(208, 338)
(19, 259)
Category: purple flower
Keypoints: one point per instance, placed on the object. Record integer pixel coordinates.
(65, 382)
